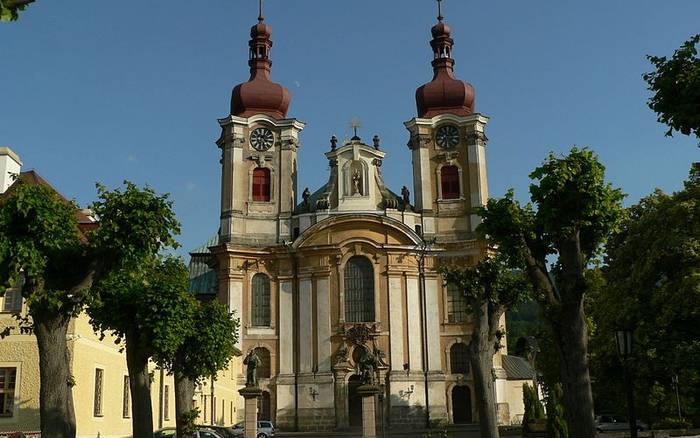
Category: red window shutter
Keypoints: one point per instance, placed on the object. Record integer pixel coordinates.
(449, 180)
(261, 184)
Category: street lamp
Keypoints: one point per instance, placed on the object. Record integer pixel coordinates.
(623, 339)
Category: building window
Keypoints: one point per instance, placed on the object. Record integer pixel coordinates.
(265, 366)
(261, 301)
(459, 359)
(166, 403)
(125, 398)
(232, 419)
(359, 290)
(456, 304)
(8, 377)
(261, 184)
(449, 182)
(12, 301)
(97, 402)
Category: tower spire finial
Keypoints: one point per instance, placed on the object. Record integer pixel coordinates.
(439, 17)
(260, 15)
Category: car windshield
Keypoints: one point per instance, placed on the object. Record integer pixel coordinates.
(239, 425)
(619, 419)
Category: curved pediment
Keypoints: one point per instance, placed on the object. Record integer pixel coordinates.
(341, 229)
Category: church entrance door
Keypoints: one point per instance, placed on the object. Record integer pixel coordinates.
(461, 405)
(354, 402)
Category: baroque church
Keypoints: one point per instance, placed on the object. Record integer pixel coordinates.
(321, 278)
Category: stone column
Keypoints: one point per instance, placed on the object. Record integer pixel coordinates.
(251, 395)
(369, 410)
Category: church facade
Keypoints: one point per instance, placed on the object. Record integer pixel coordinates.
(321, 278)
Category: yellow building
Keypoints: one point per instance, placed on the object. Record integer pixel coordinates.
(101, 392)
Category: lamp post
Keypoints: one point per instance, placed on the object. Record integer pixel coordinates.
(674, 382)
(623, 339)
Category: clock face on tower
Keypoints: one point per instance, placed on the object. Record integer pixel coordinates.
(262, 139)
(447, 136)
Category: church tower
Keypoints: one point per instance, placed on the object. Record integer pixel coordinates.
(259, 154)
(448, 148)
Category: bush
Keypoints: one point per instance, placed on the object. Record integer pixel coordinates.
(556, 424)
(533, 406)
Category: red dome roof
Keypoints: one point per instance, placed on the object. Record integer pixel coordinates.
(445, 94)
(260, 95)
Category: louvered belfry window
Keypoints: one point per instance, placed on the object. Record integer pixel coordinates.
(359, 290)
(449, 181)
(261, 184)
(261, 301)
(459, 359)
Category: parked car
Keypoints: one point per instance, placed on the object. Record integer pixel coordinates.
(171, 432)
(265, 429)
(611, 423)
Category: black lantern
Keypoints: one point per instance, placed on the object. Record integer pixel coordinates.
(623, 339)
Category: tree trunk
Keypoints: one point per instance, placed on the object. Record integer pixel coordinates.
(572, 345)
(482, 348)
(56, 382)
(184, 391)
(140, 385)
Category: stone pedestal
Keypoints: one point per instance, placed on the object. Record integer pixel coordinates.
(369, 410)
(251, 394)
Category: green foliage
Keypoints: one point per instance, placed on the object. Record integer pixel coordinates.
(147, 302)
(135, 224)
(9, 9)
(676, 87)
(653, 275)
(189, 420)
(210, 343)
(556, 424)
(40, 243)
(533, 407)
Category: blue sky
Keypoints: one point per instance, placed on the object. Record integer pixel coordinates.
(103, 91)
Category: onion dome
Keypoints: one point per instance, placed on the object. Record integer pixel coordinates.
(260, 95)
(445, 94)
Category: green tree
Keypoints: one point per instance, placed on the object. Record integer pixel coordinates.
(676, 87)
(554, 243)
(207, 349)
(533, 406)
(9, 9)
(491, 288)
(41, 248)
(146, 305)
(653, 284)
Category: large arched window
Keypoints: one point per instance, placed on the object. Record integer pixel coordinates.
(261, 301)
(261, 184)
(459, 358)
(456, 304)
(359, 290)
(449, 182)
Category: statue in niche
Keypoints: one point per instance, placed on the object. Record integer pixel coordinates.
(356, 182)
(252, 362)
(367, 367)
(406, 195)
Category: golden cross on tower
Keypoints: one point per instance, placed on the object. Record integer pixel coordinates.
(355, 124)
(440, 17)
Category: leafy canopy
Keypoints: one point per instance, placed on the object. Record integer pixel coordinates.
(676, 88)
(40, 241)
(9, 9)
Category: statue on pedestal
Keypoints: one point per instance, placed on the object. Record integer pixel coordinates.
(252, 362)
(367, 368)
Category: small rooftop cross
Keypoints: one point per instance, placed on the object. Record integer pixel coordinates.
(440, 17)
(355, 124)
(260, 15)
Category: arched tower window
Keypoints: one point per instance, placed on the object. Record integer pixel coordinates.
(456, 304)
(359, 290)
(261, 184)
(459, 358)
(449, 182)
(264, 370)
(261, 301)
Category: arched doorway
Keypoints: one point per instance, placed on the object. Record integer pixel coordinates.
(461, 405)
(264, 407)
(354, 402)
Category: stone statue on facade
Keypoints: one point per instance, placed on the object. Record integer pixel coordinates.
(367, 368)
(356, 182)
(252, 362)
(305, 196)
(406, 196)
